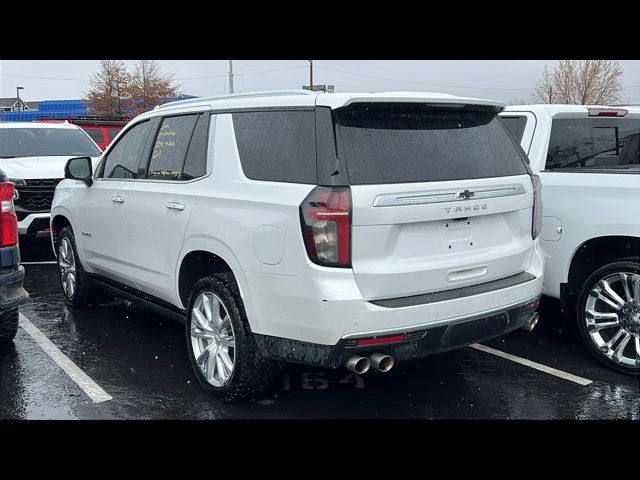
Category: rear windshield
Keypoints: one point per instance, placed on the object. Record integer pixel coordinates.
(403, 144)
(594, 143)
(41, 142)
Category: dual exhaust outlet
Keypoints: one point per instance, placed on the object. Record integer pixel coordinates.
(383, 362)
(531, 323)
(361, 365)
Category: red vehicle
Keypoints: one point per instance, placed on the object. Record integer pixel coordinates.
(12, 293)
(102, 130)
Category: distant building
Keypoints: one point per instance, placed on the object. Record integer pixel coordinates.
(54, 109)
(10, 104)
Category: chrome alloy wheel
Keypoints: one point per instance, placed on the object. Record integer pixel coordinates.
(612, 316)
(213, 339)
(67, 266)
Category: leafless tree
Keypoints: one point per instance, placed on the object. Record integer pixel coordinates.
(518, 101)
(149, 86)
(544, 89)
(583, 82)
(109, 89)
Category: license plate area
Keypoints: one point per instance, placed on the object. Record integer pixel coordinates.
(458, 235)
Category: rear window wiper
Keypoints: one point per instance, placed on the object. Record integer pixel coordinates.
(7, 156)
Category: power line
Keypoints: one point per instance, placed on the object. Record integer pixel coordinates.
(260, 72)
(44, 78)
(243, 74)
(177, 79)
(418, 83)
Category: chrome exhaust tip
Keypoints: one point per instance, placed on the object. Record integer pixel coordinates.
(531, 324)
(381, 362)
(358, 364)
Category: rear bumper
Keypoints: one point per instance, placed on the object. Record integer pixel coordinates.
(413, 343)
(323, 305)
(12, 293)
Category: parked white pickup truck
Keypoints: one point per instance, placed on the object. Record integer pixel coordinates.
(33, 156)
(588, 160)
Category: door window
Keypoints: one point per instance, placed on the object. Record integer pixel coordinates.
(180, 149)
(123, 159)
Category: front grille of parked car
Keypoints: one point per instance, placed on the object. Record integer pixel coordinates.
(36, 195)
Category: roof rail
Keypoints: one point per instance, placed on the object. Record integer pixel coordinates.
(266, 93)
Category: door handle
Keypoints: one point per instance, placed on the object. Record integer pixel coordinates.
(117, 199)
(175, 206)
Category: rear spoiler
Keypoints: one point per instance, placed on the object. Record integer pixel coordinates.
(336, 101)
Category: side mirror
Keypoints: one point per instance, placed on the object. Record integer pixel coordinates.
(79, 168)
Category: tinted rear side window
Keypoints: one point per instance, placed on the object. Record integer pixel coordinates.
(95, 134)
(402, 144)
(516, 125)
(196, 163)
(113, 132)
(593, 143)
(277, 146)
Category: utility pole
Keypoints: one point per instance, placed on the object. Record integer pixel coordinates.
(311, 75)
(18, 95)
(230, 76)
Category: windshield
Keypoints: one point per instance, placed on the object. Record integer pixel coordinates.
(45, 142)
(406, 143)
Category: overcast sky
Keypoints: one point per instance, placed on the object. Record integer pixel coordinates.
(506, 80)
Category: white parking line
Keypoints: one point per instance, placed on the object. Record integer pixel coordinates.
(38, 263)
(91, 388)
(538, 366)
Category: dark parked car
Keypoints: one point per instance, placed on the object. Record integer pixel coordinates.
(12, 294)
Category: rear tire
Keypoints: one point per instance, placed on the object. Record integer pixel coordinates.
(77, 288)
(9, 325)
(617, 344)
(221, 341)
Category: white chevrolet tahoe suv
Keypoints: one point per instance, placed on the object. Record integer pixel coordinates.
(324, 229)
(589, 163)
(33, 157)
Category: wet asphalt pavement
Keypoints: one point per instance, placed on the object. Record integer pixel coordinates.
(140, 359)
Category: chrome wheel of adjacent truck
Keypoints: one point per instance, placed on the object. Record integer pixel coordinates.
(609, 315)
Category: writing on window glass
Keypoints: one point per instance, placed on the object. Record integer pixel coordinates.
(172, 144)
(163, 151)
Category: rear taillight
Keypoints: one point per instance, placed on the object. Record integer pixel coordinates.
(8, 220)
(536, 224)
(325, 216)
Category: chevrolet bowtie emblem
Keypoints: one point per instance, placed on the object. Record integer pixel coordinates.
(465, 194)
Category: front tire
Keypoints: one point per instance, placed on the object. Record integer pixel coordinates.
(222, 350)
(9, 325)
(77, 288)
(608, 314)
